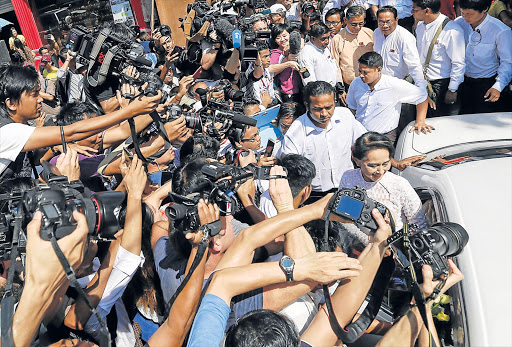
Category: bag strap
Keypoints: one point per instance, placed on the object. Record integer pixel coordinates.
(431, 47)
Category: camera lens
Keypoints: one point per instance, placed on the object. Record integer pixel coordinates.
(176, 211)
(450, 238)
(106, 211)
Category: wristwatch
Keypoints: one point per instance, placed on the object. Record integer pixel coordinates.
(287, 264)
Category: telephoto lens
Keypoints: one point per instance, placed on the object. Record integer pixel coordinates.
(449, 239)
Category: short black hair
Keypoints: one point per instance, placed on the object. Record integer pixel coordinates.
(17, 58)
(371, 59)
(75, 112)
(387, 9)
(433, 5)
(318, 30)
(290, 108)
(41, 49)
(354, 11)
(250, 102)
(301, 171)
(477, 5)
(334, 11)
(199, 146)
(370, 141)
(261, 46)
(278, 29)
(14, 81)
(263, 328)
(317, 88)
(188, 175)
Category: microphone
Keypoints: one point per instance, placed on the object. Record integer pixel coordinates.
(295, 42)
(237, 38)
(242, 119)
(224, 30)
(142, 60)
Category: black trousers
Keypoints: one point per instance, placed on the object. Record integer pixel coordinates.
(472, 92)
(407, 23)
(440, 87)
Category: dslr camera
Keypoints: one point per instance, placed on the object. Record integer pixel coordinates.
(430, 246)
(355, 205)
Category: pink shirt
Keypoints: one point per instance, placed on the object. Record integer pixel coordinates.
(289, 79)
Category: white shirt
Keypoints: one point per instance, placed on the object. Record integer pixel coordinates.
(293, 13)
(329, 149)
(403, 7)
(267, 205)
(13, 138)
(492, 55)
(266, 82)
(379, 110)
(448, 54)
(320, 64)
(400, 54)
(335, 4)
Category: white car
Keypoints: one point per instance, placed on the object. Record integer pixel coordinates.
(472, 186)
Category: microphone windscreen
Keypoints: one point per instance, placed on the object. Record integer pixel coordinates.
(243, 119)
(224, 30)
(295, 42)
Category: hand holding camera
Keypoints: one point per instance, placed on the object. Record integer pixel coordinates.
(280, 191)
(208, 213)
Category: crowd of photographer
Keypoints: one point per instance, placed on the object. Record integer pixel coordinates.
(138, 204)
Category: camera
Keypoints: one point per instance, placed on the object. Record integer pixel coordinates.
(229, 92)
(430, 246)
(57, 200)
(164, 30)
(355, 205)
(307, 7)
(184, 210)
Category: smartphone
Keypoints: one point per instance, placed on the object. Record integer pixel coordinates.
(198, 73)
(270, 148)
(47, 36)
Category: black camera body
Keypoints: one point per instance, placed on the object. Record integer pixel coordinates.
(355, 205)
(307, 7)
(430, 246)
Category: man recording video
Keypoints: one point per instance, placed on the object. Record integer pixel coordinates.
(20, 102)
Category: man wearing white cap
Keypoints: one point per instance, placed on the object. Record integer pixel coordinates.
(277, 14)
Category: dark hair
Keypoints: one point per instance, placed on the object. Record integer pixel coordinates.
(370, 141)
(433, 5)
(477, 5)
(14, 81)
(17, 58)
(334, 11)
(261, 46)
(301, 171)
(263, 328)
(250, 102)
(188, 175)
(354, 11)
(18, 43)
(314, 17)
(387, 9)
(277, 29)
(41, 49)
(76, 111)
(318, 30)
(199, 146)
(371, 59)
(290, 108)
(120, 30)
(11, 29)
(317, 88)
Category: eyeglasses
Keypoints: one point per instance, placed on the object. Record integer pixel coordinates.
(386, 23)
(332, 23)
(475, 38)
(252, 139)
(360, 24)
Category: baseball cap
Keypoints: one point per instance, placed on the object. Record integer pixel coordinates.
(46, 58)
(277, 8)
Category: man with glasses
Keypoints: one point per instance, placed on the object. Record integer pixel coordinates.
(317, 58)
(259, 24)
(352, 42)
(334, 21)
(446, 63)
(488, 57)
(403, 8)
(397, 46)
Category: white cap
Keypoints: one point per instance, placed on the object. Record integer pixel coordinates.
(277, 8)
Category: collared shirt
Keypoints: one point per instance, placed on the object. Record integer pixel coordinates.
(448, 55)
(488, 50)
(379, 109)
(400, 54)
(403, 7)
(347, 48)
(329, 149)
(293, 13)
(266, 82)
(335, 4)
(320, 64)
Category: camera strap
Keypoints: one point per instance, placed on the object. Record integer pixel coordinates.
(7, 304)
(70, 274)
(161, 131)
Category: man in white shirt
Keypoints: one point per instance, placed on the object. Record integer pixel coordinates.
(260, 82)
(403, 8)
(292, 9)
(375, 99)
(445, 70)
(397, 47)
(488, 57)
(317, 57)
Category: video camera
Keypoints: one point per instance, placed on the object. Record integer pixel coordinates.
(57, 199)
(219, 187)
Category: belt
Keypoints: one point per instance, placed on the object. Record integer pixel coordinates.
(471, 79)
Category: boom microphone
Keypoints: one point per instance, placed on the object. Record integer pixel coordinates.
(295, 42)
(225, 30)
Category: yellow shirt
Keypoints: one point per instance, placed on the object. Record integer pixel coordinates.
(496, 8)
(11, 41)
(347, 48)
(50, 75)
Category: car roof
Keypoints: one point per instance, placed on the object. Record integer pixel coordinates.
(453, 130)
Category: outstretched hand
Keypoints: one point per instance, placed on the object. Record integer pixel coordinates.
(280, 191)
(134, 177)
(326, 267)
